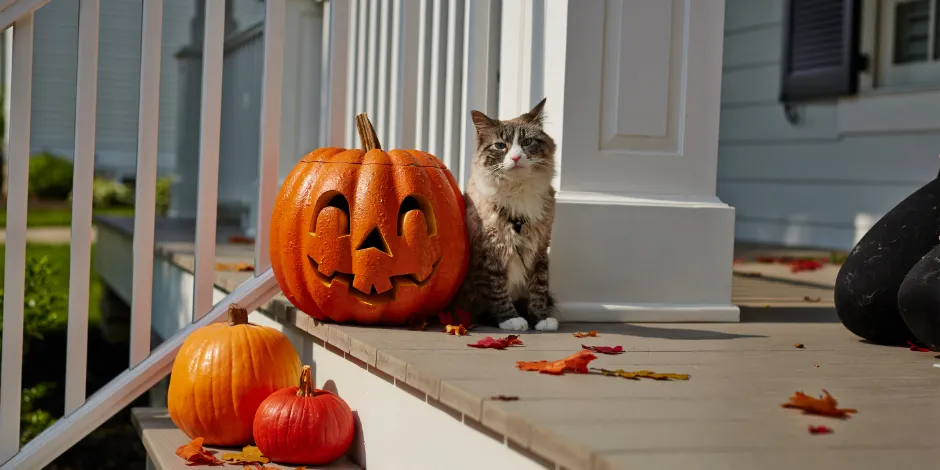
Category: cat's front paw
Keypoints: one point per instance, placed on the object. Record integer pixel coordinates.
(516, 324)
(547, 324)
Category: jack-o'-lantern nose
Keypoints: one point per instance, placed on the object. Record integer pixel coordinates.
(374, 240)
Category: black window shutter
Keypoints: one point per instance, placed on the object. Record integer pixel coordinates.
(820, 49)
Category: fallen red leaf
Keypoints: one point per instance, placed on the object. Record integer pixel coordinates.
(504, 398)
(501, 343)
(575, 363)
(591, 334)
(807, 298)
(446, 318)
(917, 347)
(240, 240)
(604, 349)
(194, 454)
(797, 266)
(823, 406)
(456, 330)
(819, 429)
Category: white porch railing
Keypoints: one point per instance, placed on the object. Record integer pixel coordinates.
(416, 66)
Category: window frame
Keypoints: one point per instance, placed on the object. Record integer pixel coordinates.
(888, 74)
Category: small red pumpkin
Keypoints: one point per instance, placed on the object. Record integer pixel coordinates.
(303, 425)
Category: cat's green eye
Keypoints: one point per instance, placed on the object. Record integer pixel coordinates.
(526, 142)
(500, 145)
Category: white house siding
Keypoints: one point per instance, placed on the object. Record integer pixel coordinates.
(825, 182)
(54, 65)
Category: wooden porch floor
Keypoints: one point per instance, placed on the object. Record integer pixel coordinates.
(727, 416)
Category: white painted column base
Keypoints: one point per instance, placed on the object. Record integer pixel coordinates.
(630, 259)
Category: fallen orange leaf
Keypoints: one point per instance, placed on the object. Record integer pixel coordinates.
(248, 455)
(823, 406)
(576, 363)
(642, 374)
(194, 454)
(238, 267)
(592, 334)
(457, 330)
(799, 346)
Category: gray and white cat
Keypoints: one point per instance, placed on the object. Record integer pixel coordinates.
(510, 210)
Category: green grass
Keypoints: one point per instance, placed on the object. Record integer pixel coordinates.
(59, 256)
(60, 217)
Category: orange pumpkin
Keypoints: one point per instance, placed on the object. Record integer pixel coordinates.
(368, 236)
(221, 375)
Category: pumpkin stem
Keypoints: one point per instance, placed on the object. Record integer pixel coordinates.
(237, 315)
(306, 383)
(367, 136)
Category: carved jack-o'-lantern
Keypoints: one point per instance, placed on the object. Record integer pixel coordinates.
(368, 236)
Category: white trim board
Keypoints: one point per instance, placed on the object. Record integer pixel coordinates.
(391, 420)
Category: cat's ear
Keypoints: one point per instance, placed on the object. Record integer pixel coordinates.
(482, 121)
(536, 115)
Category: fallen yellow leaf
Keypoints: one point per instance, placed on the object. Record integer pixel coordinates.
(249, 454)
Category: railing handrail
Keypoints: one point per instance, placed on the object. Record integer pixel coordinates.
(132, 383)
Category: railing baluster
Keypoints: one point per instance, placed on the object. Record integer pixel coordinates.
(404, 73)
(209, 134)
(436, 89)
(148, 126)
(382, 90)
(11, 371)
(424, 75)
(338, 69)
(362, 42)
(481, 28)
(86, 96)
(372, 62)
(352, 72)
(453, 78)
(275, 12)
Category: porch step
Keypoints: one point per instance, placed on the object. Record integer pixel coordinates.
(161, 438)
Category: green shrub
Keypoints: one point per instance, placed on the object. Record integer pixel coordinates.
(45, 306)
(50, 177)
(110, 193)
(163, 194)
(34, 420)
(45, 310)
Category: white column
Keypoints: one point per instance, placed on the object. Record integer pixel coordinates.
(633, 91)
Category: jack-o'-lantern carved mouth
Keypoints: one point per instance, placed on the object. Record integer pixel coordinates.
(373, 297)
